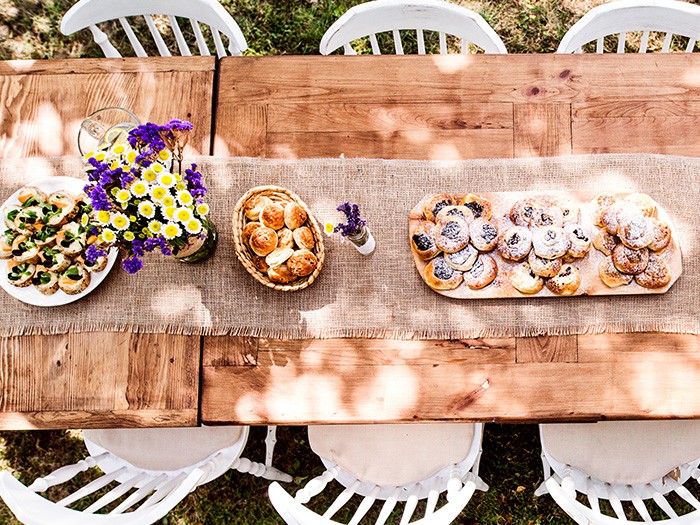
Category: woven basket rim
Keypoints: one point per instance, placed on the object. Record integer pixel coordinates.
(239, 221)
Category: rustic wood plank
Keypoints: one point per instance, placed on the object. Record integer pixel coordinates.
(541, 130)
(621, 347)
(69, 66)
(635, 108)
(41, 107)
(241, 130)
(86, 419)
(547, 349)
(422, 144)
(230, 351)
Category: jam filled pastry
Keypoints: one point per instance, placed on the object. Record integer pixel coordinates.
(525, 280)
(521, 212)
(619, 213)
(550, 242)
(604, 242)
(451, 235)
(636, 233)
(580, 242)
(441, 276)
(435, 204)
(455, 211)
(600, 204)
(660, 235)
(611, 276)
(543, 267)
(482, 273)
(423, 240)
(630, 261)
(657, 274)
(515, 243)
(549, 216)
(484, 235)
(571, 213)
(464, 259)
(566, 282)
(479, 207)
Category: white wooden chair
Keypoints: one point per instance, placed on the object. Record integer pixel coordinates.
(619, 18)
(158, 467)
(382, 16)
(89, 13)
(389, 463)
(638, 469)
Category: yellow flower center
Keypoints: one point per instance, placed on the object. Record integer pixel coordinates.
(129, 236)
(168, 201)
(159, 192)
(149, 175)
(157, 168)
(103, 216)
(164, 154)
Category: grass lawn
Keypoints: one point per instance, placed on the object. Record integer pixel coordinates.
(29, 29)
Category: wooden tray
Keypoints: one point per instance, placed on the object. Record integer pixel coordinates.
(591, 284)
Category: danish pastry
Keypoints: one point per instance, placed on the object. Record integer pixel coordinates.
(657, 274)
(294, 216)
(660, 235)
(636, 233)
(525, 280)
(515, 243)
(423, 240)
(441, 276)
(566, 282)
(464, 259)
(580, 242)
(611, 276)
(604, 242)
(263, 240)
(455, 211)
(479, 207)
(543, 267)
(483, 234)
(302, 263)
(645, 203)
(550, 242)
(571, 213)
(600, 204)
(304, 238)
(254, 206)
(521, 212)
(630, 261)
(451, 235)
(281, 274)
(272, 216)
(619, 213)
(482, 273)
(436, 203)
(549, 216)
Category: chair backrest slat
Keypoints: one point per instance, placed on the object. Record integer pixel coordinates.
(599, 45)
(164, 490)
(341, 500)
(421, 41)
(140, 494)
(133, 39)
(157, 37)
(687, 496)
(374, 43)
(431, 503)
(220, 49)
(116, 493)
(640, 507)
(398, 45)
(364, 506)
(691, 45)
(409, 509)
(667, 43)
(664, 505)
(179, 38)
(91, 487)
(621, 42)
(199, 37)
(644, 42)
(443, 43)
(388, 508)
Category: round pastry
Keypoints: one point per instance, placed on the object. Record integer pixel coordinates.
(656, 275)
(423, 240)
(278, 256)
(464, 259)
(455, 211)
(601, 203)
(255, 205)
(630, 261)
(294, 216)
(285, 238)
(604, 242)
(248, 229)
(20, 274)
(570, 211)
(642, 201)
(46, 282)
(611, 276)
(549, 216)
(482, 273)
(483, 234)
(619, 213)
(521, 212)
(580, 242)
(451, 235)
(479, 207)
(281, 274)
(514, 244)
(661, 235)
(74, 279)
(46, 236)
(543, 267)
(525, 280)
(272, 216)
(550, 242)
(304, 238)
(99, 264)
(436, 203)
(302, 263)
(636, 233)
(29, 220)
(263, 240)
(31, 195)
(566, 282)
(260, 263)
(441, 276)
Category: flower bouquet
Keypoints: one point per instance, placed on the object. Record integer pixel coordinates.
(355, 229)
(142, 201)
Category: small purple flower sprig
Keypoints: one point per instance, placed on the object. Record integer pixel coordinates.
(354, 223)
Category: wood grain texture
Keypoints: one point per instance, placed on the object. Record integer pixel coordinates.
(43, 102)
(112, 378)
(230, 351)
(541, 130)
(546, 349)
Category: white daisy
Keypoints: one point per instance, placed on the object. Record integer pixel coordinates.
(172, 230)
(120, 221)
(147, 209)
(194, 226)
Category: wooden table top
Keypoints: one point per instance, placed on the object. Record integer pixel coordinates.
(430, 107)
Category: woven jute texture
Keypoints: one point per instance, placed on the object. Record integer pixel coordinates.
(380, 295)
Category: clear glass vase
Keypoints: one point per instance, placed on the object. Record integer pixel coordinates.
(363, 241)
(199, 247)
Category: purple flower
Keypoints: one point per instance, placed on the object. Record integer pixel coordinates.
(92, 254)
(157, 242)
(137, 247)
(193, 178)
(355, 222)
(132, 264)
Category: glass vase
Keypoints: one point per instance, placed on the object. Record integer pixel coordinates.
(199, 247)
(363, 241)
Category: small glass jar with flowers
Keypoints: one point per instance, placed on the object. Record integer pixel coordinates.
(355, 229)
(143, 201)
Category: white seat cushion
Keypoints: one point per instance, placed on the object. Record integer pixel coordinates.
(625, 452)
(392, 455)
(164, 448)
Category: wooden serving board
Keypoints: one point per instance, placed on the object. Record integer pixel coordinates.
(501, 203)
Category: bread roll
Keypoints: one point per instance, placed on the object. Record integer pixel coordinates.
(302, 263)
(263, 240)
(304, 238)
(479, 207)
(254, 206)
(294, 216)
(272, 216)
(281, 274)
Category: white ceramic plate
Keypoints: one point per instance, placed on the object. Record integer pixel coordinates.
(30, 294)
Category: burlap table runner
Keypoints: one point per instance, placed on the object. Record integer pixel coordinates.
(381, 295)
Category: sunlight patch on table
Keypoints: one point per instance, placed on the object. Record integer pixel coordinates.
(444, 151)
(393, 388)
(189, 303)
(451, 64)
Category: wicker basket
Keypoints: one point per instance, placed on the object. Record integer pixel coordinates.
(281, 195)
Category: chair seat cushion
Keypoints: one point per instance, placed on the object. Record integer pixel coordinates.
(164, 448)
(625, 452)
(392, 455)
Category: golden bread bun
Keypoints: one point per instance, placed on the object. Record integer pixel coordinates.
(566, 282)
(550, 242)
(423, 240)
(604, 242)
(304, 238)
(479, 207)
(294, 216)
(263, 240)
(281, 274)
(483, 234)
(482, 273)
(543, 267)
(248, 229)
(464, 259)
(645, 203)
(285, 238)
(657, 274)
(600, 204)
(514, 244)
(610, 275)
(254, 206)
(661, 235)
(451, 235)
(272, 216)
(302, 263)
(630, 261)
(525, 280)
(278, 256)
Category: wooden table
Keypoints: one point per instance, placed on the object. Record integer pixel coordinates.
(454, 107)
